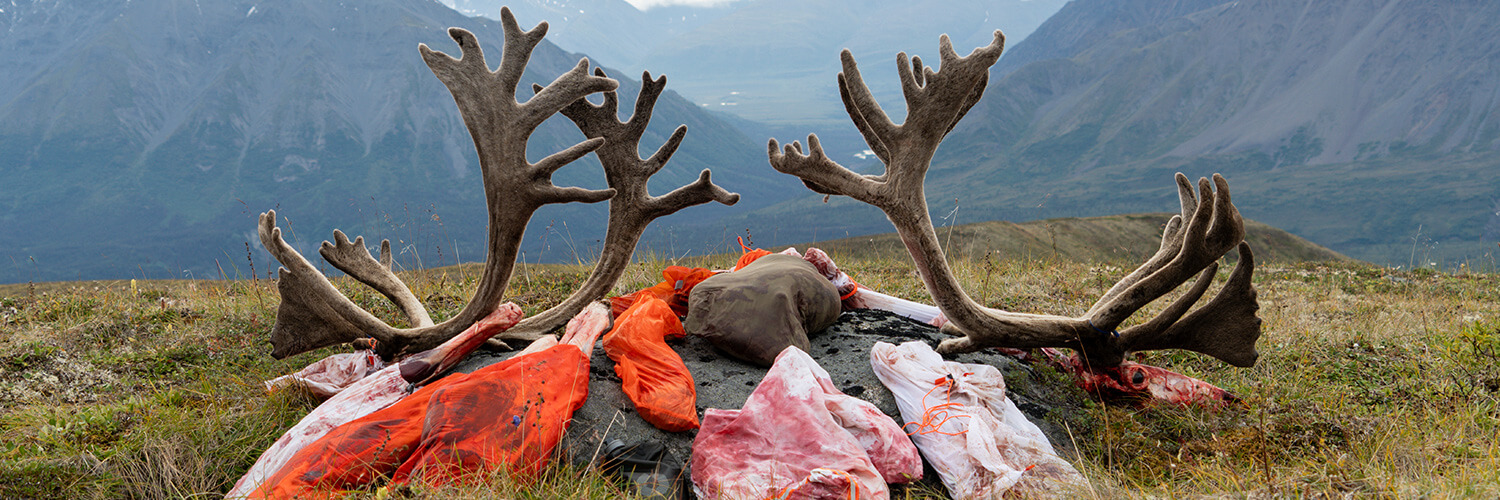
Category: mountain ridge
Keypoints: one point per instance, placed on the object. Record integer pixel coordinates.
(1127, 238)
(156, 148)
(1366, 126)
(773, 61)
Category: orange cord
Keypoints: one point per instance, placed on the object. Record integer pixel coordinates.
(854, 487)
(937, 412)
(851, 292)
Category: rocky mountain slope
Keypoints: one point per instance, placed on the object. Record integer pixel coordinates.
(1366, 126)
(140, 139)
(774, 61)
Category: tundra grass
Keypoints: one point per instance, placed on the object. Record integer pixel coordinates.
(1372, 382)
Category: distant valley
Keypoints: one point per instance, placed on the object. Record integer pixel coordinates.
(772, 61)
(141, 139)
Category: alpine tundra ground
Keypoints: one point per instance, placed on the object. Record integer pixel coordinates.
(1371, 382)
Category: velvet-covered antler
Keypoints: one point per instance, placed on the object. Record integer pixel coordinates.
(314, 314)
(1209, 226)
(632, 207)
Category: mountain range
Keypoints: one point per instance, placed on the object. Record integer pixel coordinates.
(1367, 126)
(771, 61)
(141, 138)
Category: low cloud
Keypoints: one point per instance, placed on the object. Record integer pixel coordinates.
(648, 4)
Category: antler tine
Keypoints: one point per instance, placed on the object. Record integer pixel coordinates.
(1225, 328)
(875, 141)
(912, 78)
(385, 254)
(820, 173)
(314, 314)
(603, 120)
(547, 166)
(308, 298)
(645, 103)
(1213, 229)
(1180, 306)
(876, 121)
(969, 102)
(564, 90)
(517, 51)
(663, 154)
(632, 208)
(1171, 243)
(936, 100)
(1228, 229)
(355, 260)
(700, 191)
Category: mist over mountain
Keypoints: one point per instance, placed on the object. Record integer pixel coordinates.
(141, 138)
(1366, 126)
(773, 61)
(611, 31)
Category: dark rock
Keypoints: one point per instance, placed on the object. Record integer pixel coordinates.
(724, 382)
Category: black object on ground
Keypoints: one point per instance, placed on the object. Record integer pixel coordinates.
(842, 349)
(647, 467)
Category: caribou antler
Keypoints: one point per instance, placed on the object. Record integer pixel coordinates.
(1226, 328)
(355, 260)
(632, 207)
(314, 314)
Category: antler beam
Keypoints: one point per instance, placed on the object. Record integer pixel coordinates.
(314, 314)
(632, 208)
(1208, 227)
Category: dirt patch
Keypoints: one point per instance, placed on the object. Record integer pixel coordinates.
(43, 374)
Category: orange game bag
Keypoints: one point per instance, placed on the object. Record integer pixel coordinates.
(677, 282)
(356, 453)
(651, 373)
(509, 415)
(508, 420)
(749, 255)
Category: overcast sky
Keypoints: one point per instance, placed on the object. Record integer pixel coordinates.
(646, 4)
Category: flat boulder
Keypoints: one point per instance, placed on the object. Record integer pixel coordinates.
(842, 349)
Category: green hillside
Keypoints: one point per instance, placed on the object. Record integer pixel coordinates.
(1114, 239)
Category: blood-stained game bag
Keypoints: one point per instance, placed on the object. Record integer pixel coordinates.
(795, 438)
(509, 415)
(975, 437)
